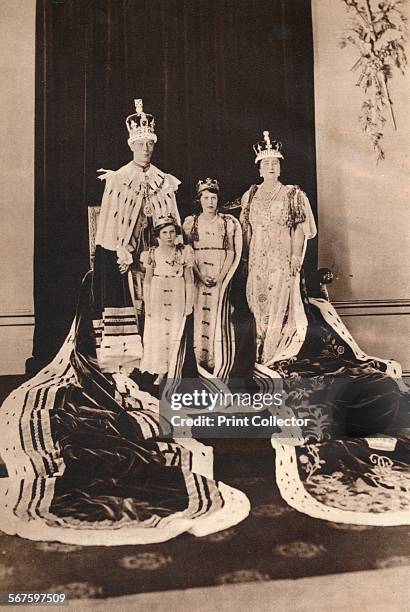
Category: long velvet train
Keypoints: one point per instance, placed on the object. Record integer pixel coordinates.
(87, 464)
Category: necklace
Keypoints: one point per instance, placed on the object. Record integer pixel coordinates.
(171, 253)
(272, 193)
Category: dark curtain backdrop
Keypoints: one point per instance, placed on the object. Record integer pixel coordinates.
(215, 73)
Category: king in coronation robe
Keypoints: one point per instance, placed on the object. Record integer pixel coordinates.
(137, 197)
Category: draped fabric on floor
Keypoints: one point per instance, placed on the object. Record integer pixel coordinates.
(353, 465)
(87, 462)
(350, 460)
(214, 73)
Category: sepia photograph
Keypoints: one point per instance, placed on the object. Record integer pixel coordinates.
(205, 306)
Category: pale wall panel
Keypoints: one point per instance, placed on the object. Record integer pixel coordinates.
(385, 336)
(16, 341)
(17, 46)
(363, 206)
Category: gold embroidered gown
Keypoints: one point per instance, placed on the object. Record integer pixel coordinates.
(272, 292)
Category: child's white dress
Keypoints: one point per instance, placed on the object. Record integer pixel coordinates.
(166, 319)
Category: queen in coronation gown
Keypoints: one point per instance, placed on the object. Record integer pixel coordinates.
(349, 460)
(277, 221)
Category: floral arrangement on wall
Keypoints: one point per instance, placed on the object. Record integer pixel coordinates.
(378, 31)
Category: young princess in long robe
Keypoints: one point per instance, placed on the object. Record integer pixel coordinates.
(168, 297)
(217, 240)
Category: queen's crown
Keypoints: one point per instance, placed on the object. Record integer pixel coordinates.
(267, 148)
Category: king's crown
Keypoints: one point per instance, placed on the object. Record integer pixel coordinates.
(140, 125)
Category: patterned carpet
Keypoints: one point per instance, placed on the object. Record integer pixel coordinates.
(275, 542)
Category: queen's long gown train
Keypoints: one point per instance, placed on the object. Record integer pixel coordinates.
(350, 462)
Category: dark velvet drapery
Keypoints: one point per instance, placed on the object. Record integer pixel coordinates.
(215, 73)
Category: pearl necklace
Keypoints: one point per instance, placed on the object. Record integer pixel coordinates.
(271, 194)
